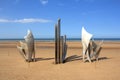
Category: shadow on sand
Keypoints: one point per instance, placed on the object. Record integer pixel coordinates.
(73, 58)
(42, 59)
(101, 58)
(76, 58)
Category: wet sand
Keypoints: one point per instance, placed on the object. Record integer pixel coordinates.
(14, 67)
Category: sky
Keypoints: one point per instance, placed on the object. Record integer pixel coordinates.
(99, 17)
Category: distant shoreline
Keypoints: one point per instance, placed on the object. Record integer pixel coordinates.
(52, 39)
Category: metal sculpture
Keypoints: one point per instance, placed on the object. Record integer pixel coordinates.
(89, 47)
(26, 48)
(60, 45)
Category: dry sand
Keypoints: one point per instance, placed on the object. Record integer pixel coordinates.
(14, 67)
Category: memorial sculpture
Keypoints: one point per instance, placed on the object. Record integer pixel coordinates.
(90, 48)
(26, 48)
(60, 45)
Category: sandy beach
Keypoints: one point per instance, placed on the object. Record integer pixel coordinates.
(14, 67)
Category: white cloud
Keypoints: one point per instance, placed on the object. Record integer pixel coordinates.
(4, 20)
(44, 2)
(29, 20)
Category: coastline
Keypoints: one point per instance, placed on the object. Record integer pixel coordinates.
(52, 39)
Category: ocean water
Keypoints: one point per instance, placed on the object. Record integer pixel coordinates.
(68, 39)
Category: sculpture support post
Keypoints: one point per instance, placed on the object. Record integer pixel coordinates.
(60, 45)
(64, 48)
(61, 49)
(58, 40)
(56, 44)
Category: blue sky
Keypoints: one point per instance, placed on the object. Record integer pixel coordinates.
(99, 17)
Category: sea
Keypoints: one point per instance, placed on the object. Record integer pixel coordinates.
(52, 39)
